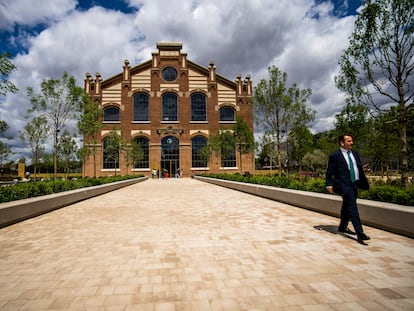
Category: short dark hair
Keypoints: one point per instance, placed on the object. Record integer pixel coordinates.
(341, 138)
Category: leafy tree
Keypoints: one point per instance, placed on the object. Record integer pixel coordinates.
(222, 143)
(88, 125)
(376, 69)
(113, 146)
(354, 119)
(205, 154)
(243, 138)
(276, 106)
(5, 151)
(36, 132)
(6, 68)
(301, 140)
(132, 152)
(3, 127)
(267, 152)
(67, 149)
(6, 86)
(315, 159)
(383, 141)
(61, 101)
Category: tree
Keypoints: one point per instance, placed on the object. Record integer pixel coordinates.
(113, 147)
(383, 141)
(36, 132)
(67, 150)
(300, 138)
(266, 152)
(243, 138)
(5, 151)
(3, 127)
(60, 100)
(132, 152)
(315, 159)
(6, 68)
(376, 69)
(222, 144)
(276, 106)
(354, 119)
(88, 125)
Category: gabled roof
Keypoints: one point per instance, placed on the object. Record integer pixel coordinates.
(147, 65)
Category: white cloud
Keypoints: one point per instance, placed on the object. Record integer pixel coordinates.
(242, 37)
(31, 13)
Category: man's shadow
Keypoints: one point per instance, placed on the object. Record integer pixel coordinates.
(334, 230)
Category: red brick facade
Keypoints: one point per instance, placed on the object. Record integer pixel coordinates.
(166, 111)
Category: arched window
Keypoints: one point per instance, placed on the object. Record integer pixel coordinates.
(169, 107)
(141, 107)
(226, 114)
(110, 153)
(141, 159)
(198, 107)
(111, 114)
(198, 145)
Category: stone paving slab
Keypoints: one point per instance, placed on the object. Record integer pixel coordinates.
(181, 244)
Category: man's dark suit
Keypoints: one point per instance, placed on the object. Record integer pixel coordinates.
(338, 176)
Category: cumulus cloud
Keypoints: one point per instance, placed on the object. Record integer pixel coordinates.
(301, 37)
(32, 13)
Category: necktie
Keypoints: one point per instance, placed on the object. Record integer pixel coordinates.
(351, 167)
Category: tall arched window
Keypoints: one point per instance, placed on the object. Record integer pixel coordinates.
(111, 114)
(198, 107)
(141, 107)
(226, 114)
(169, 107)
(142, 161)
(198, 144)
(110, 153)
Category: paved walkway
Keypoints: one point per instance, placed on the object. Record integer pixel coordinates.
(182, 244)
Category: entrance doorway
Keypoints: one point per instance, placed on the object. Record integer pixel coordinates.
(170, 155)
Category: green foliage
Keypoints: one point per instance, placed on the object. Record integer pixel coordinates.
(376, 69)
(60, 101)
(382, 193)
(279, 109)
(6, 68)
(34, 189)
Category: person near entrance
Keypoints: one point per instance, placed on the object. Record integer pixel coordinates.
(344, 176)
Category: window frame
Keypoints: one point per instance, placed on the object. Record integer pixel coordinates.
(144, 163)
(196, 161)
(111, 119)
(198, 105)
(137, 102)
(108, 164)
(168, 107)
(224, 118)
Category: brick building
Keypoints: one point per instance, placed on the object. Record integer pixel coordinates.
(170, 106)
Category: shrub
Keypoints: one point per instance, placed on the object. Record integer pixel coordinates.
(26, 190)
(379, 191)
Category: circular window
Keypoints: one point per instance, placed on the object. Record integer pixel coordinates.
(169, 74)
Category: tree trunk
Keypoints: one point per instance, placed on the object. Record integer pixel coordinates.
(403, 145)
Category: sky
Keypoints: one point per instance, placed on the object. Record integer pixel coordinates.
(303, 38)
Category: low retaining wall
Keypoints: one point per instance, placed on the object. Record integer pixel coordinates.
(15, 211)
(386, 216)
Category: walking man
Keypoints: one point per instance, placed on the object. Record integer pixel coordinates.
(344, 176)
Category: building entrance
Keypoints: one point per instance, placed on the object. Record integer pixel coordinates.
(170, 155)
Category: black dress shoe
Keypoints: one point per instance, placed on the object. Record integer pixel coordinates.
(347, 231)
(363, 237)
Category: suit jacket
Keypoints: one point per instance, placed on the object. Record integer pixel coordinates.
(338, 175)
